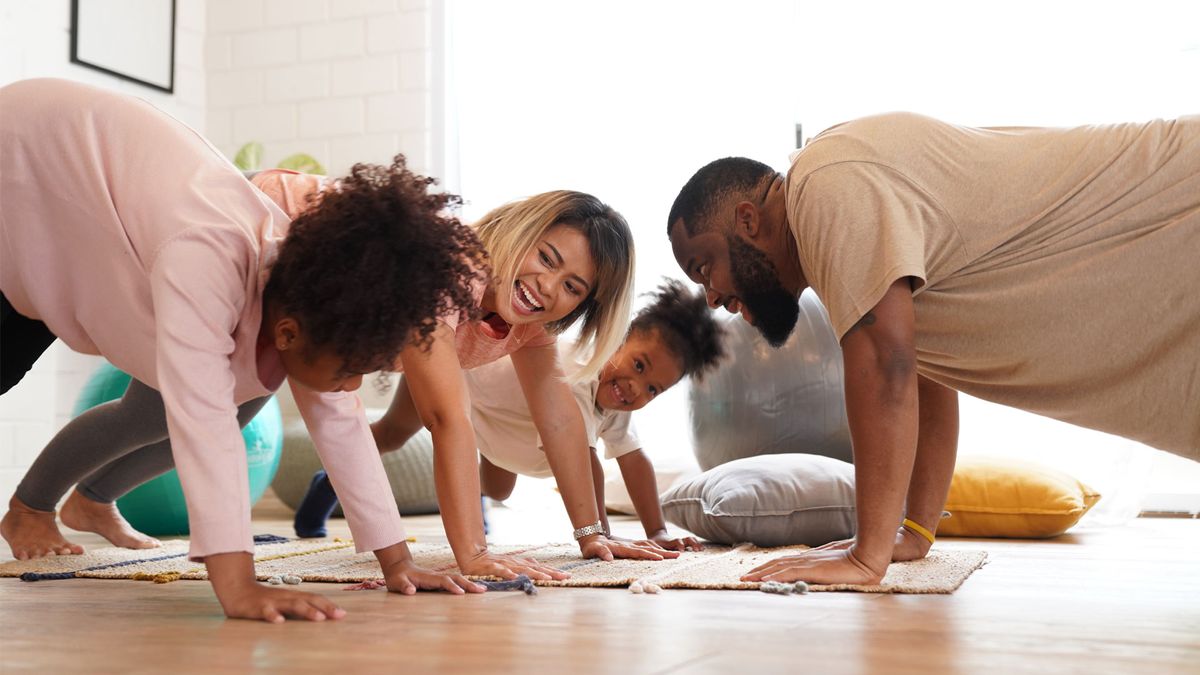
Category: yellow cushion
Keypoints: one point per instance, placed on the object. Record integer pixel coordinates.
(1002, 497)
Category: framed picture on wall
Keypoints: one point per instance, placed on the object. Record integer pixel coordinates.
(130, 39)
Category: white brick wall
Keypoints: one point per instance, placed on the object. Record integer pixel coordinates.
(35, 42)
(343, 80)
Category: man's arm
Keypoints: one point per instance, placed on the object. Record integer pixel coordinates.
(937, 446)
(882, 409)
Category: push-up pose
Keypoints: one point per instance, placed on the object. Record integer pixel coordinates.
(1052, 270)
(125, 234)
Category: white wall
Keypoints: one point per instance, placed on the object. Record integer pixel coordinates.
(343, 80)
(35, 42)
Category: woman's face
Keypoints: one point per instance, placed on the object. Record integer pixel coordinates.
(554, 278)
(640, 370)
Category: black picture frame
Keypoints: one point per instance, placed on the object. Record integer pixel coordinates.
(75, 28)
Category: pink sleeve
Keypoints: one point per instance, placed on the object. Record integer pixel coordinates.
(198, 282)
(337, 423)
(289, 190)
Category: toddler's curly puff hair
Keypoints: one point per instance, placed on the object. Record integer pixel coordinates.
(369, 267)
(684, 321)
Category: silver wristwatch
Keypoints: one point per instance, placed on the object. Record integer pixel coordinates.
(588, 530)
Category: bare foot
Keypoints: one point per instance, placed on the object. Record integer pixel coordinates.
(33, 534)
(85, 515)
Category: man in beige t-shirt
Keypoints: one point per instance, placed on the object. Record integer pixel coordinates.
(1053, 270)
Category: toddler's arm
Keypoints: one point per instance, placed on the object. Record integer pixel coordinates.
(435, 380)
(638, 473)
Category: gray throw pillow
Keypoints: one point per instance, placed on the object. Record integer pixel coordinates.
(769, 500)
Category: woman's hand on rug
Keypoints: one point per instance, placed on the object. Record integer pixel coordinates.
(276, 605)
(829, 566)
(487, 564)
(407, 578)
(599, 546)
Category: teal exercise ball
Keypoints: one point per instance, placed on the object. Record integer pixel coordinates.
(156, 507)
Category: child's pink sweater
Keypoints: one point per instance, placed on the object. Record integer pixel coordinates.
(133, 238)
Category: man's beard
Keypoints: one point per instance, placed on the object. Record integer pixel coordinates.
(756, 283)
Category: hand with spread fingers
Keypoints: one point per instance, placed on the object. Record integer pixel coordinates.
(487, 564)
(604, 548)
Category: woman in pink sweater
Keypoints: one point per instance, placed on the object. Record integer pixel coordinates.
(125, 234)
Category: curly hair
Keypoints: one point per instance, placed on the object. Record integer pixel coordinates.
(373, 262)
(684, 321)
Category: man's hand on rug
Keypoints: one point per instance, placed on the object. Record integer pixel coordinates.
(828, 566)
(909, 546)
(407, 578)
(604, 548)
(487, 564)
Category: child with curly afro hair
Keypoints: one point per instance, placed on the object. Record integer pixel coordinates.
(674, 336)
(558, 258)
(128, 236)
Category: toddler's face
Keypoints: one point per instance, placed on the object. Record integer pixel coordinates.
(556, 275)
(640, 370)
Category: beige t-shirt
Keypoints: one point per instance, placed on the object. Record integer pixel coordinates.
(504, 426)
(1055, 270)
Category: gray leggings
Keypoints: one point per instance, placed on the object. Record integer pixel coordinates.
(109, 450)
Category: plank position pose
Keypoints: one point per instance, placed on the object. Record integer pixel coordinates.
(1048, 269)
(125, 234)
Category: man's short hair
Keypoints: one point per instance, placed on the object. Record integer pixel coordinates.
(711, 186)
(683, 321)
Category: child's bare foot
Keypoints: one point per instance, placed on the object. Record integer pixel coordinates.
(85, 515)
(33, 534)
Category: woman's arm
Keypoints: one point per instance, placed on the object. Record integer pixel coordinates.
(560, 425)
(435, 381)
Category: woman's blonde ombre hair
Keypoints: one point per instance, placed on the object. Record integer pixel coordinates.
(509, 232)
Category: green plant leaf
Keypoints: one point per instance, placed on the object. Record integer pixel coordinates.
(303, 163)
(249, 157)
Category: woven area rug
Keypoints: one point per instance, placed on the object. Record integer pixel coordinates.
(716, 567)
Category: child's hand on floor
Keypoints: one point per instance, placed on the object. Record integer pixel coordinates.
(405, 577)
(487, 564)
(276, 605)
(242, 597)
(604, 548)
(675, 543)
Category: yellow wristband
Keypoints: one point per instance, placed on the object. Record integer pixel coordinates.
(915, 527)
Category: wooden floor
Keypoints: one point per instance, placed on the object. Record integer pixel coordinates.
(1123, 600)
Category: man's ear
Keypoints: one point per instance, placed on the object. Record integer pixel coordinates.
(287, 333)
(749, 222)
